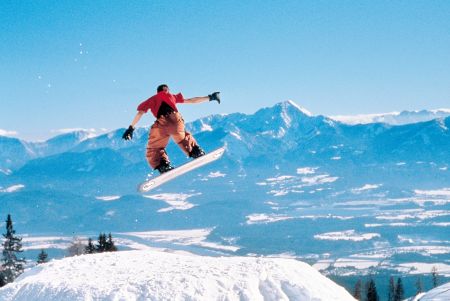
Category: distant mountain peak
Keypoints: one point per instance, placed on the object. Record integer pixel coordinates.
(288, 112)
(300, 108)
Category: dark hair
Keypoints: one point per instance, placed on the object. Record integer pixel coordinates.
(161, 87)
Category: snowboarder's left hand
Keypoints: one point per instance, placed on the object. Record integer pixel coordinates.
(128, 135)
(214, 96)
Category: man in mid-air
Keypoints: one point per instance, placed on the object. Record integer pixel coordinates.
(169, 123)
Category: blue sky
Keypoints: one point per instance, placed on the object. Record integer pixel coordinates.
(88, 64)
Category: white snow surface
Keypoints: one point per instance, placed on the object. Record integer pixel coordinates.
(191, 237)
(365, 188)
(444, 192)
(351, 235)
(13, 188)
(262, 218)
(108, 198)
(301, 109)
(440, 293)
(7, 133)
(177, 201)
(156, 275)
(206, 127)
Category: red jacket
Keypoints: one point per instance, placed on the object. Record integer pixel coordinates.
(154, 102)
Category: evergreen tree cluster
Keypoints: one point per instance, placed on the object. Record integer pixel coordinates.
(12, 265)
(369, 293)
(104, 244)
(396, 291)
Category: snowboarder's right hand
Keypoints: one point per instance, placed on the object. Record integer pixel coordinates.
(128, 135)
(214, 96)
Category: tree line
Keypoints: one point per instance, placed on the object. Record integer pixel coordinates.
(13, 264)
(396, 291)
(104, 244)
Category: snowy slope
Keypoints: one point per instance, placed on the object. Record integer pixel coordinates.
(440, 293)
(156, 275)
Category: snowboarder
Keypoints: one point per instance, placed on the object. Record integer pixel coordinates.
(169, 123)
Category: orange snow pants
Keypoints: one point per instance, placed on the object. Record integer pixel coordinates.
(171, 125)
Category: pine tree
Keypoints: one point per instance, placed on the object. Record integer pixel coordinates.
(391, 291)
(12, 266)
(371, 293)
(2, 279)
(357, 291)
(101, 245)
(434, 276)
(90, 248)
(110, 247)
(399, 291)
(42, 257)
(419, 286)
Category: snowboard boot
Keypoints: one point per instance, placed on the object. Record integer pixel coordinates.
(196, 152)
(164, 166)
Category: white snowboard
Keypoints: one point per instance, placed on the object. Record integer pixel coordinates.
(178, 171)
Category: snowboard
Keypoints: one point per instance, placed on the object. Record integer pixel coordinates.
(178, 171)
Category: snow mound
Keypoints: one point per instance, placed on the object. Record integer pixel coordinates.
(156, 275)
(440, 293)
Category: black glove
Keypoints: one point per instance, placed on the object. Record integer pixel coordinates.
(215, 96)
(128, 135)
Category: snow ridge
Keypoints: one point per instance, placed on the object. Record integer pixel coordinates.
(155, 275)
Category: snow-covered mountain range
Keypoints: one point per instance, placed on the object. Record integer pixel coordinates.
(394, 118)
(273, 138)
(350, 199)
(68, 141)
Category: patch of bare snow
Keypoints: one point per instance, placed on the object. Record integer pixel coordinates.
(177, 201)
(424, 268)
(108, 198)
(301, 109)
(216, 174)
(433, 193)
(236, 135)
(206, 127)
(196, 237)
(262, 218)
(320, 179)
(351, 235)
(365, 188)
(13, 188)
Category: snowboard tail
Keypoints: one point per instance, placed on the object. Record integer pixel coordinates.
(178, 171)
